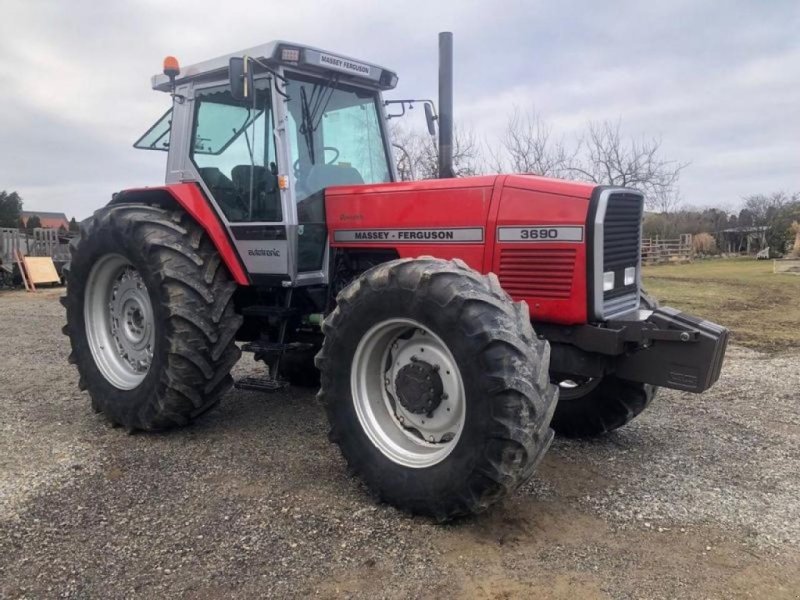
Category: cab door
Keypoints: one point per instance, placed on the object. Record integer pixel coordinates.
(229, 148)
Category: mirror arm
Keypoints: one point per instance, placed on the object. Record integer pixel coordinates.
(410, 103)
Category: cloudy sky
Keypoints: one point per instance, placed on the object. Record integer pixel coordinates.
(719, 81)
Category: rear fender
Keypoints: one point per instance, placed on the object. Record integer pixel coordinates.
(189, 197)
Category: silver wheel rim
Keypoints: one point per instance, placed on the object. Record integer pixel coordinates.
(120, 327)
(406, 438)
(569, 389)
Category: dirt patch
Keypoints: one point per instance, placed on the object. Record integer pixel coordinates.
(697, 498)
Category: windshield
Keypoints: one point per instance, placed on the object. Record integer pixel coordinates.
(335, 134)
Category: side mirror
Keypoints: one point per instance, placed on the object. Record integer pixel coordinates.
(241, 78)
(430, 118)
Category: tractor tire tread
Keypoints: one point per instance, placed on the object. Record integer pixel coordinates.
(515, 382)
(194, 293)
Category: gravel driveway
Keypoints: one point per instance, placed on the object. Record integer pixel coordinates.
(698, 498)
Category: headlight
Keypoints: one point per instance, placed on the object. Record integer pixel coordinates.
(608, 281)
(630, 275)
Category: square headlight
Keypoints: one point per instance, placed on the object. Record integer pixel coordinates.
(630, 275)
(608, 281)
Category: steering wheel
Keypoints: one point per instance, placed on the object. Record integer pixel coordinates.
(296, 165)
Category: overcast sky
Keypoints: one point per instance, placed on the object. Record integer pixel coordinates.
(719, 81)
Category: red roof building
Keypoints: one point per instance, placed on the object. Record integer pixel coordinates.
(51, 220)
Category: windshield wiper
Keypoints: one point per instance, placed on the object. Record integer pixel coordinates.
(321, 96)
(306, 126)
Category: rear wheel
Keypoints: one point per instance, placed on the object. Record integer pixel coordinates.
(435, 386)
(150, 316)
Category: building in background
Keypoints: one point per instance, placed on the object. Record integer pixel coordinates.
(49, 220)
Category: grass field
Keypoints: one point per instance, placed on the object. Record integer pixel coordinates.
(762, 309)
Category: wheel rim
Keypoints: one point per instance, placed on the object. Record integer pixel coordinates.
(120, 327)
(391, 354)
(569, 389)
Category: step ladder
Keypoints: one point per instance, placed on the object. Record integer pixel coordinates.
(271, 352)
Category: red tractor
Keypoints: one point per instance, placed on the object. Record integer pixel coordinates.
(449, 323)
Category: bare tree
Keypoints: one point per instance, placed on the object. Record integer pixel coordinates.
(527, 146)
(775, 212)
(417, 154)
(604, 157)
(601, 155)
(764, 208)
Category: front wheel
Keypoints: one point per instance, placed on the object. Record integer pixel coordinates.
(592, 406)
(150, 316)
(435, 386)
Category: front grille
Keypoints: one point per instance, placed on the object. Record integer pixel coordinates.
(537, 272)
(622, 232)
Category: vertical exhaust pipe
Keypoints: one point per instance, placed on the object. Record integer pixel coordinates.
(446, 105)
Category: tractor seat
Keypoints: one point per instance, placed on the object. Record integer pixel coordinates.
(266, 203)
(322, 176)
(262, 178)
(224, 193)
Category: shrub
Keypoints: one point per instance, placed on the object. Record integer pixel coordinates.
(704, 243)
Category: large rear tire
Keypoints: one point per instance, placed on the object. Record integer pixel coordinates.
(150, 316)
(435, 386)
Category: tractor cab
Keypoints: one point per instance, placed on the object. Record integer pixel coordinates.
(264, 132)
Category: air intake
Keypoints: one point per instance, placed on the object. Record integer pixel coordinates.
(537, 272)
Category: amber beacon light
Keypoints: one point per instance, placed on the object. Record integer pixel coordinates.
(171, 67)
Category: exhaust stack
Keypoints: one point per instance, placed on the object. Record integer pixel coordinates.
(446, 105)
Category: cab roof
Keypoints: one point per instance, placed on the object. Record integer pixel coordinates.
(272, 53)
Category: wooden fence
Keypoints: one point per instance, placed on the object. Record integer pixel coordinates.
(658, 250)
(43, 242)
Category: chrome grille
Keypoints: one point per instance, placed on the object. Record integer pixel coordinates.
(621, 248)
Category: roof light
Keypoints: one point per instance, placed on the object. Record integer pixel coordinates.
(290, 54)
(171, 67)
(388, 79)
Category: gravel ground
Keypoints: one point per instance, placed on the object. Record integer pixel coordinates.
(697, 498)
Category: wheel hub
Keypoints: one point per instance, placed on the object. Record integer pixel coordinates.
(120, 325)
(131, 320)
(408, 393)
(419, 387)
